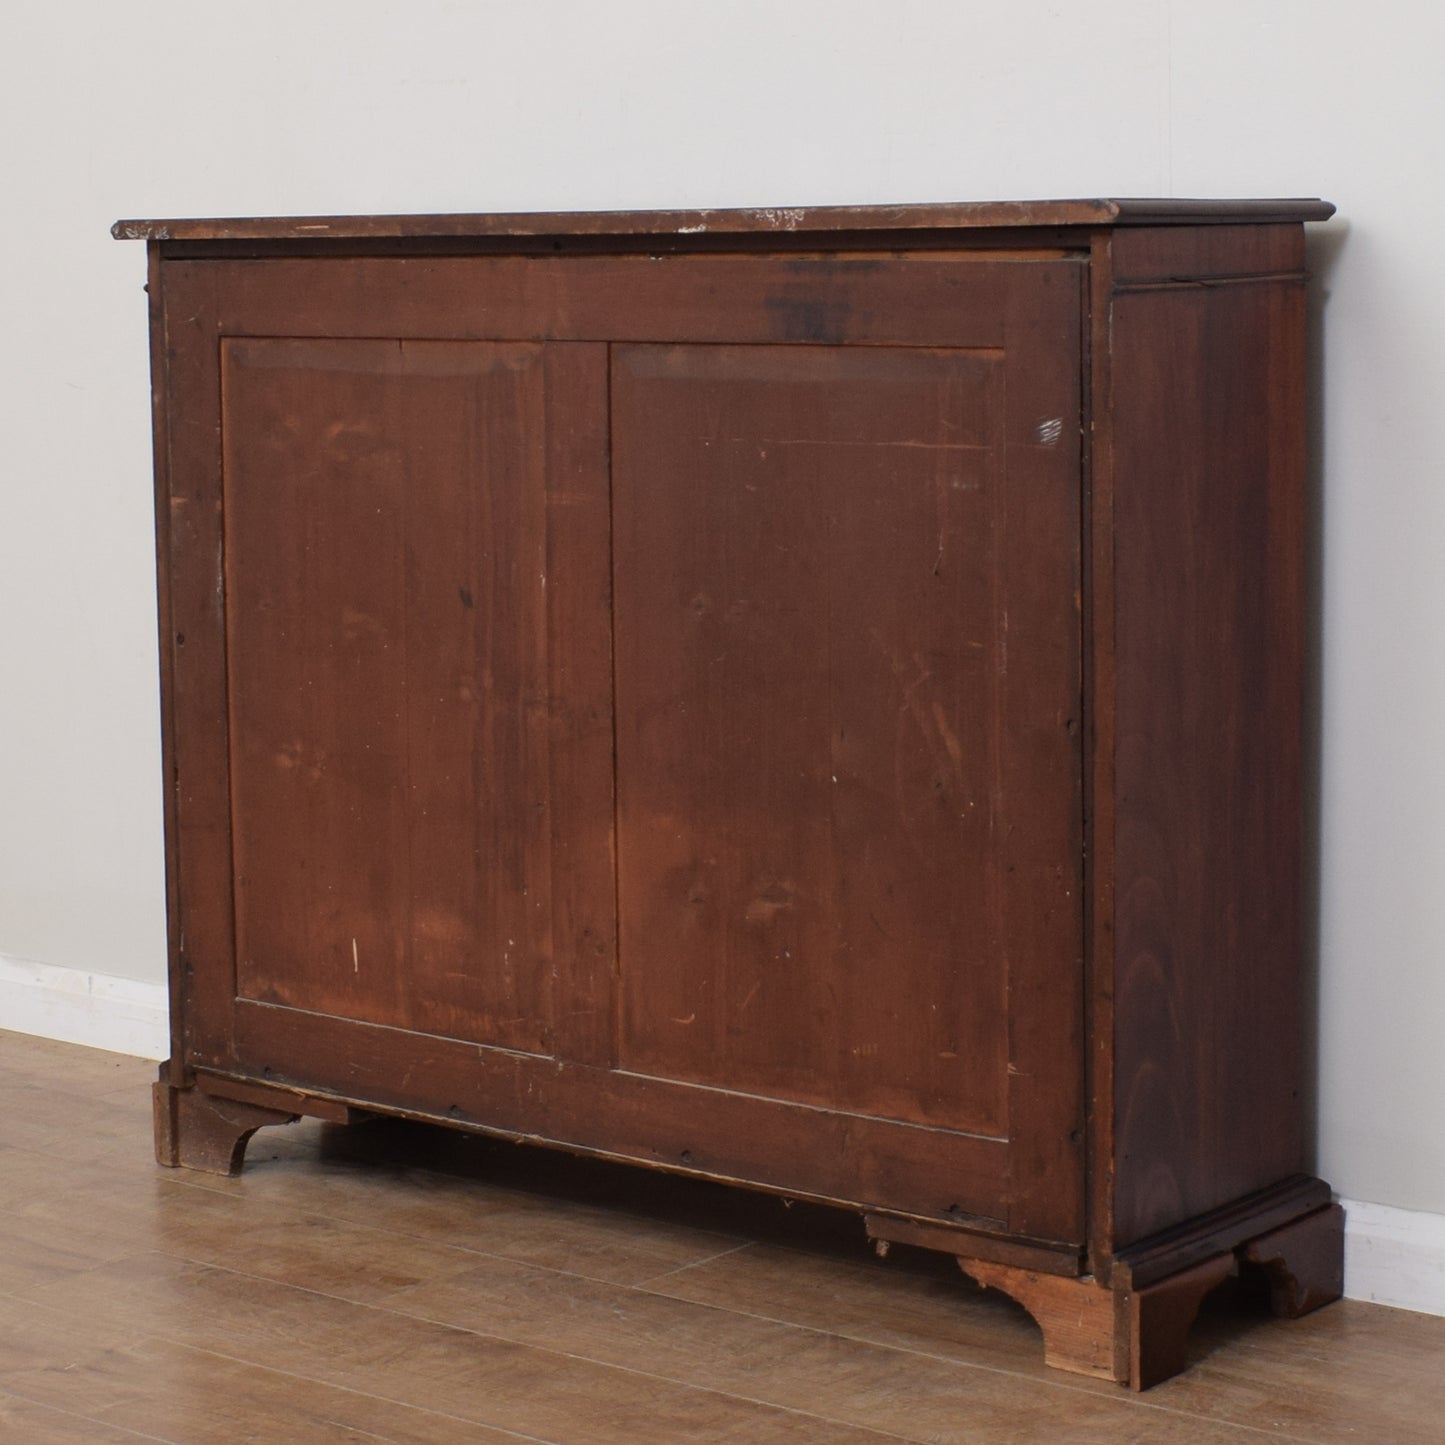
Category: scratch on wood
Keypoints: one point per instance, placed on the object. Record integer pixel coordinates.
(780, 220)
(139, 231)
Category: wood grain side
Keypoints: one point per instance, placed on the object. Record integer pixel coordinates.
(1198, 255)
(1208, 453)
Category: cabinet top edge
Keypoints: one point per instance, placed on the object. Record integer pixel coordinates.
(964, 215)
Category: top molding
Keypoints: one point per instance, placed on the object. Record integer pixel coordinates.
(967, 215)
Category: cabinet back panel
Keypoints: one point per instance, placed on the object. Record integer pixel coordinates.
(385, 537)
(813, 732)
(395, 790)
(879, 300)
(809, 724)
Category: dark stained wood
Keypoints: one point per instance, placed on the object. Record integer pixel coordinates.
(820, 717)
(1160, 1316)
(1152, 256)
(266, 1096)
(1226, 1228)
(199, 844)
(386, 575)
(803, 780)
(194, 714)
(579, 704)
(792, 1148)
(799, 787)
(326, 584)
(757, 221)
(1140, 1336)
(1038, 841)
(1208, 459)
(896, 611)
(949, 300)
(1303, 1262)
(1097, 671)
(886, 1230)
(195, 1130)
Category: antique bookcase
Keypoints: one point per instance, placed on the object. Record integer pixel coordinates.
(805, 698)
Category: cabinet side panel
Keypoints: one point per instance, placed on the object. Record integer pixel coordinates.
(1209, 470)
(1161, 254)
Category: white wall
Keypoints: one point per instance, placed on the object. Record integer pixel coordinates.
(169, 108)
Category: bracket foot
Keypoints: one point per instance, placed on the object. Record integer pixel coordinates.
(196, 1130)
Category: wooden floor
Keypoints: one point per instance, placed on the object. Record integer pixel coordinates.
(394, 1282)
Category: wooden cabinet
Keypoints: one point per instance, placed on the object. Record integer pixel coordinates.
(809, 699)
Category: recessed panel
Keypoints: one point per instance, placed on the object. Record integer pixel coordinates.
(811, 731)
(385, 559)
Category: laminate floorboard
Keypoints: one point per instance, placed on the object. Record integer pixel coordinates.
(400, 1283)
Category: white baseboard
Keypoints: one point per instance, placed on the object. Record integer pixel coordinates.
(117, 1014)
(1392, 1256)
(1395, 1257)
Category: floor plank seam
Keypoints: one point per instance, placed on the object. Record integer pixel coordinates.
(368, 1395)
(1063, 1385)
(646, 1284)
(1115, 1394)
(487, 1256)
(708, 1389)
(503, 1340)
(250, 1364)
(168, 1178)
(353, 1222)
(14, 1394)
